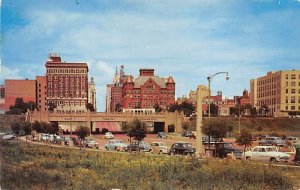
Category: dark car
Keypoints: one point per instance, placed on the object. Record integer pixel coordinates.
(297, 155)
(221, 149)
(182, 148)
(162, 135)
(141, 146)
(188, 134)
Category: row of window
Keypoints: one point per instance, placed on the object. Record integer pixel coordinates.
(292, 100)
(63, 71)
(67, 103)
(293, 76)
(293, 91)
(292, 108)
(292, 83)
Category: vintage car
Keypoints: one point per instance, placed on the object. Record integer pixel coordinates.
(162, 135)
(89, 143)
(108, 135)
(266, 153)
(276, 141)
(182, 148)
(138, 146)
(115, 145)
(158, 148)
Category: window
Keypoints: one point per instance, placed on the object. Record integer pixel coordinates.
(286, 76)
(293, 76)
(293, 107)
(293, 99)
(293, 84)
(293, 91)
(286, 90)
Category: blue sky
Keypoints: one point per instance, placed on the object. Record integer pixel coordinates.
(188, 39)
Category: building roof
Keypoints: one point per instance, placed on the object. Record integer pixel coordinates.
(142, 79)
(170, 80)
(129, 79)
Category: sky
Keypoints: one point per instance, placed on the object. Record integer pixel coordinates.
(187, 39)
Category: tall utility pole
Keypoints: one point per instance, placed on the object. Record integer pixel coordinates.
(199, 147)
(209, 78)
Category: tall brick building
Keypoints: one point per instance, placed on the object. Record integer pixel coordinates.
(67, 85)
(147, 90)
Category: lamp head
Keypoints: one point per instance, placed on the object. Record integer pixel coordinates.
(227, 76)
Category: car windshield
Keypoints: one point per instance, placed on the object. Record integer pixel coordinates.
(188, 145)
(271, 149)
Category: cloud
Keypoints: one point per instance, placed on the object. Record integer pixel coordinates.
(186, 39)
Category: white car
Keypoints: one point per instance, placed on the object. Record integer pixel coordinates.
(108, 135)
(266, 153)
(8, 137)
(115, 145)
(159, 148)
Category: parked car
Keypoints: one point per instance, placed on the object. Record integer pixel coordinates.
(162, 135)
(221, 149)
(8, 137)
(158, 148)
(67, 140)
(297, 155)
(89, 143)
(261, 137)
(2, 134)
(138, 146)
(291, 140)
(276, 141)
(182, 148)
(115, 145)
(108, 135)
(266, 153)
(45, 137)
(188, 134)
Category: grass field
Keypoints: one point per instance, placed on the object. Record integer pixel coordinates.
(45, 167)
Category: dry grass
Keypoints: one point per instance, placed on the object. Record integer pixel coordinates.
(44, 167)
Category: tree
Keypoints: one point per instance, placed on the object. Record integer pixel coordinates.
(263, 110)
(31, 105)
(214, 109)
(26, 127)
(16, 128)
(157, 108)
(185, 106)
(19, 107)
(90, 107)
(118, 107)
(82, 132)
(214, 128)
(136, 129)
(244, 139)
(47, 128)
(54, 127)
(51, 106)
(37, 127)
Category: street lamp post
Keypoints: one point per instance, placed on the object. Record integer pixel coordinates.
(209, 78)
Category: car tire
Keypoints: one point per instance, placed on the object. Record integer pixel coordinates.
(160, 152)
(248, 158)
(172, 153)
(272, 160)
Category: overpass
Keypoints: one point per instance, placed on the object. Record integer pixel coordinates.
(90, 118)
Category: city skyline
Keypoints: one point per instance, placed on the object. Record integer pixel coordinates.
(185, 39)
